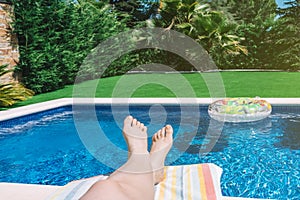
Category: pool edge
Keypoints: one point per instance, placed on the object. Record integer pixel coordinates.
(39, 107)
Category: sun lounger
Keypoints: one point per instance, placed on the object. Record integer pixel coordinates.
(195, 182)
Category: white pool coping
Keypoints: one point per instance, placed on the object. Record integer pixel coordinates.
(38, 107)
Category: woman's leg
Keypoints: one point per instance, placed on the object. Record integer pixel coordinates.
(135, 179)
(135, 176)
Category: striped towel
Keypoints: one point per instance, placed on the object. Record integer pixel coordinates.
(188, 182)
(197, 182)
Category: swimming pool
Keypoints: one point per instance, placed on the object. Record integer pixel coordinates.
(259, 159)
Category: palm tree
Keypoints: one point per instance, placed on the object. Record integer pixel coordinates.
(11, 92)
(210, 28)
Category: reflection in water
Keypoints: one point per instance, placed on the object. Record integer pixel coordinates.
(290, 137)
(205, 142)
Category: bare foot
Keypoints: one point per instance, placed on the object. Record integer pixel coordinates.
(135, 134)
(162, 142)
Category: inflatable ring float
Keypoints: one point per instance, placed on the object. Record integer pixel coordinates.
(239, 109)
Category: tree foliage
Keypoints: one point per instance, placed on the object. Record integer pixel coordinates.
(286, 32)
(271, 34)
(210, 28)
(55, 36)
(255, 19)
(136, 12)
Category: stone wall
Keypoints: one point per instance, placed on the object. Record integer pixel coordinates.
(9, 53)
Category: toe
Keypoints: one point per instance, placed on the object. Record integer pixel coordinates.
(169, 131)
(155, 136)
(134, 122)
(144, 128)
(161, 133)
(128, 120)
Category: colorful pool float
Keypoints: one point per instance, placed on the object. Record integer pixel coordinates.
(239, 109)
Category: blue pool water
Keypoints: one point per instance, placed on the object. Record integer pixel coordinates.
(259, 159)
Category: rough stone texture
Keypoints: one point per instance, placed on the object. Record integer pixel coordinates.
(9, 54)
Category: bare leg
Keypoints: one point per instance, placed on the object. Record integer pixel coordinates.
(134, 180)
(162, 142)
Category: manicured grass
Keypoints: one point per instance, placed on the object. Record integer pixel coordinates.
(236, 84)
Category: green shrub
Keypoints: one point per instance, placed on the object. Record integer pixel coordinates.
(54, 38)
(10, 91)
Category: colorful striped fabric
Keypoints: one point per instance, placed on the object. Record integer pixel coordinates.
(190, 182)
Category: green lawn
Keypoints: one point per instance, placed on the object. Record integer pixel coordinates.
(235, 84)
